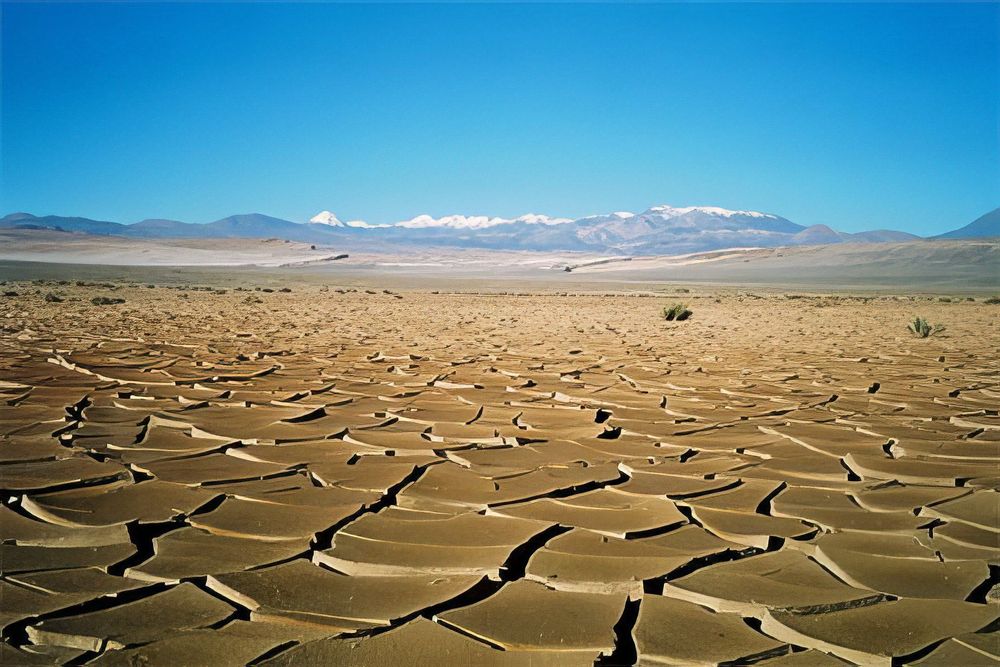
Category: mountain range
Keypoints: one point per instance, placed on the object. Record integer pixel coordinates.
(657, 230)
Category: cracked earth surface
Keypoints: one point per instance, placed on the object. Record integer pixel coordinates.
(352, 477)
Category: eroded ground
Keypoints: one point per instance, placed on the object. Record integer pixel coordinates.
(324, 477)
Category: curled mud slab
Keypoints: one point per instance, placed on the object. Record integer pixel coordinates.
(328, 476)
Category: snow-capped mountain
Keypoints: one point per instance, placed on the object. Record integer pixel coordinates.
(326, 218)
(448, 221)
(331, 220)
(688, 229)
(477, 221)
(668, 211)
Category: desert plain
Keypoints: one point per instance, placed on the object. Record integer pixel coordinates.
(283, 471)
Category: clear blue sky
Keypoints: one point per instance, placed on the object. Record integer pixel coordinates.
(853, 115)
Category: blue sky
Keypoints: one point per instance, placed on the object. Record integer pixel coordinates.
(853, 115)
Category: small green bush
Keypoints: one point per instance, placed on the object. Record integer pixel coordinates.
(922, 328)
(676, 313)
(993, 300)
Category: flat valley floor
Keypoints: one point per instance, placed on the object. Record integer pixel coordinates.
(331, 476)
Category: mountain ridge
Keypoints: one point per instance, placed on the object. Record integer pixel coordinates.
(985, 226)
(660, 229)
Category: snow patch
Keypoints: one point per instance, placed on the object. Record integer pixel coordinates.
(361, 224)
(671, 212)
(477, 221)
(326, 218)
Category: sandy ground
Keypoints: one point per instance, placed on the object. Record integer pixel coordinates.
(335, 476)
(970, 266)
(68, 248)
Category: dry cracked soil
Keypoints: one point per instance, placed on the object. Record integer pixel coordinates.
(350, 476)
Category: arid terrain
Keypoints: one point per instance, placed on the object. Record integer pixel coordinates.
(406, 472)
(964, 264)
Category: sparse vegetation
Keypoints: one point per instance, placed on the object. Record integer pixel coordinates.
(676, 313)
(922, 328)
(106, 300)
(993, 300)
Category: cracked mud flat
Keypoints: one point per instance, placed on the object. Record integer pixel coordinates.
(351, 477)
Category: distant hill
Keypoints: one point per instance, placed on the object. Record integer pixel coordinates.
(882, 236)
(159, 228)
(822, 235)
(257, 225)
(985, 226)
(66, 224)
(655, 231)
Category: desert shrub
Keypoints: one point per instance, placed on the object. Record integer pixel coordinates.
(106, 300)
(53, 298)
(993, 300)
(922, 328)
(682, 290)
(10, 293)
(944, 299)
(285, 289)
(676, 313)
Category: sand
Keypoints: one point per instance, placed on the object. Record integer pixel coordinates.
(960, 266)
(394, 476)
